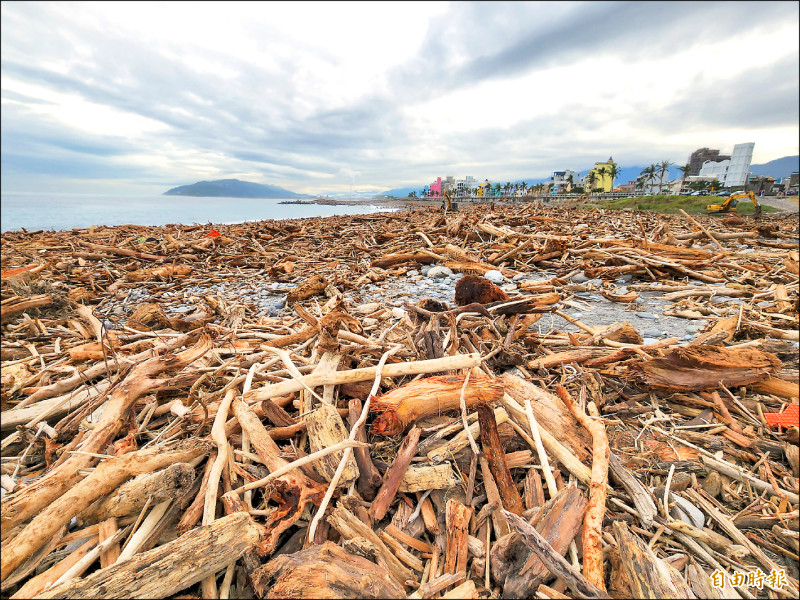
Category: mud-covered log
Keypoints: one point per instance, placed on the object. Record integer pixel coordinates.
(170, 568)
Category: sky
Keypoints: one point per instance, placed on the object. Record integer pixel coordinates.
(127, 98)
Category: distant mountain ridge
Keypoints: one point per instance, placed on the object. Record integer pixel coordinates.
(233, 188)
(778, 168)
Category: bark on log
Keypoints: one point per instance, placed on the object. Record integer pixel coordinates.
(705, 367)
(106, 477)
(394, 475)
(496, 459)
(168, 569)
(429, 396)
(325, 571)
(11, 310)
(457, 518)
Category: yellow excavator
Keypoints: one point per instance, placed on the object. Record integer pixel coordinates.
(447, 202)
(730, 204)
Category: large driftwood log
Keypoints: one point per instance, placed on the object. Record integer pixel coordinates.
(105, 478)
(430, 396)
(325, 571)
(516, 565)
(551, 414)
(650, 577)
(130, 497)
(326, 428)
(140, 381)
(168, 569)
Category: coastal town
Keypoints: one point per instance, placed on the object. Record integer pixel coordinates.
(706, 171)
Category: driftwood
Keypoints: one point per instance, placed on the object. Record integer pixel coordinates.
(324, 571)
(429, 396)
(170, 568)
(519, 569)
(90, 384)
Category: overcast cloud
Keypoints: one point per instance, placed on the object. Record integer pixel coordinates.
(325, 97)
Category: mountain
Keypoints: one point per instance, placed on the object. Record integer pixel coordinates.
(233, 188)
(778, 168)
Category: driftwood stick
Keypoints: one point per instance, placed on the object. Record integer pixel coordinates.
(447, 363)
(641, 497)
(195, 510)
(595, 511)
(496, 459)
(168, 569)
(107, 476)
(394, 475)
(457, 522)
(369, 478)
(36, 585)
(552, 559)
(107, 529)
(140, 381)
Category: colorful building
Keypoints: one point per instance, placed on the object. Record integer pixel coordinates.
(603, 181)
(435, 189)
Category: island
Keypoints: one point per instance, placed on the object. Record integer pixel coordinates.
(233, 188)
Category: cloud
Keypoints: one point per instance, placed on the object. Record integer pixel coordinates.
(318, 97)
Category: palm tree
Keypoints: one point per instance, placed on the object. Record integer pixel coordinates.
(497, 188)
(523, 185)
(648, 174)
(684, 172)
(602, 172)
(662, 169)
(613, 171)
(591, 179)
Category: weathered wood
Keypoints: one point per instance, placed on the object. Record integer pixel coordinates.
(447, 363)
(552, 559)
(496, 459)
(326, 428)
(430, 396)
(650, 577)
(106, 477)
(293, 490)
(642, 499)
(349, 527)
(457, 522)
(131, 496)
(519, 569)
(170, 568)
(325, 571)
(369, 478)
(140, 381)
(432, 477)
(393, 477)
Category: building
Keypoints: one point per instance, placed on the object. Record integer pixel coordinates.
(733, 171)
(628, 188)
(435, 189)
(449, 183)
(760, 184)
(698, 157)
(563, 180)
(465, 186)
(603, 181)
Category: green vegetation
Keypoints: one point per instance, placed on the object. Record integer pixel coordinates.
(671, 204)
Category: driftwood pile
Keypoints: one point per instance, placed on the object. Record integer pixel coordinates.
(357, 450)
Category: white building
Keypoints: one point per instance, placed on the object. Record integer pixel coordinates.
(560, 180)
(732, 172)
(466, 185)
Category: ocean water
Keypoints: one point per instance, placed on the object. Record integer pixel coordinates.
(66, 211)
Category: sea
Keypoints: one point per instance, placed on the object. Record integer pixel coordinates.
(33, 211)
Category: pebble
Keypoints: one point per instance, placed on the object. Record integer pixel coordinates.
(456, 276)
(280, 302)
(413, 273)
(652, 332)
(398, 313)
(579, 278)
(426, 269)
(645, 315)
(649, 340)
(693, 328)
(439, 272)
(494, 276)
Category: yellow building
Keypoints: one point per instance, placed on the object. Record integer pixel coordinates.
(602, 171)
(482, 188)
